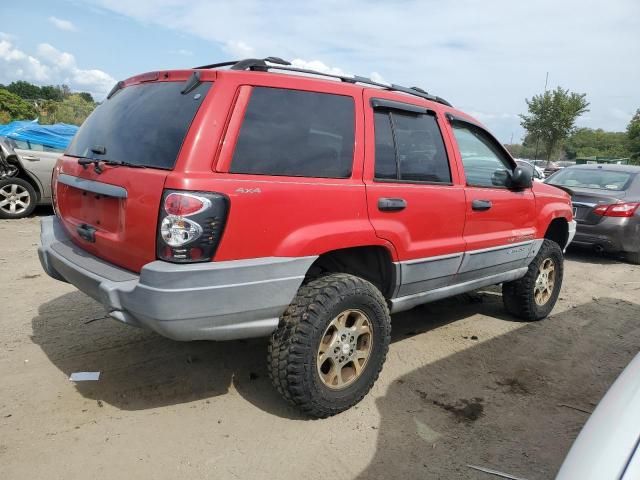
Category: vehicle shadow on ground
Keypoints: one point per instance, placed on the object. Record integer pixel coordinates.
(498, 403)
(141, 370)
(586, 255)
(42, 211)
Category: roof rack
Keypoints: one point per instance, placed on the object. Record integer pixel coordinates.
(257, 64)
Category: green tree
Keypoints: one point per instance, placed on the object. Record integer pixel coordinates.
(633, 138)
(74, 109)
(12, 107)
(51, 92)
(552, 117)
(586, 142)
(87, 97)
(25, 90)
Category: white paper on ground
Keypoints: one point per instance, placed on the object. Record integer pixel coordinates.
(84, 376)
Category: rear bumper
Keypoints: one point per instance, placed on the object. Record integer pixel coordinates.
(572, 233)
(612, 234)
(205, 301)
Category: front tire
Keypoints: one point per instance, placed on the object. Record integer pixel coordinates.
(331, 344)
(17, 198)
(533, 296)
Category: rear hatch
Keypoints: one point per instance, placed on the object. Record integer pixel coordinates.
(136, 135)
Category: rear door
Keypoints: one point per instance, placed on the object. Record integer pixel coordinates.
(112, 212)
(39, 160)
(414, 198)
(499, 229)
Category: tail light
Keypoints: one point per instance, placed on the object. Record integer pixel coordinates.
(190, 225)
(617, 209)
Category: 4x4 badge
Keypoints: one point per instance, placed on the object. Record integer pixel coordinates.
(248, 190)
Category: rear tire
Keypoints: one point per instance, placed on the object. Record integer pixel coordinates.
(333, 322)
(533, 296)
(17, 198)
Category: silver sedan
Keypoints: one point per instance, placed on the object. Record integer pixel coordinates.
(25, 176)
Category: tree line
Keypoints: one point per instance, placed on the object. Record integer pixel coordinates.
(549, 124)
(551, 133)
(22, 100)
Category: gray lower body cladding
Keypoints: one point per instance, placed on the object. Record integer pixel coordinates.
(430, 279)
(205, 301)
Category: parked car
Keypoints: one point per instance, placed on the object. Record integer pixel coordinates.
(608, 447)
(605, 202)
(536, 172)
(25, 177)
(553, 167)
(28, 153)
(267, 200)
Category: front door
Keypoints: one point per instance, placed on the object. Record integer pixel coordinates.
(500, 222)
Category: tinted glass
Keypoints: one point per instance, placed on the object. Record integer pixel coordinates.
(421, 154)
(295, 133)
(385, 148)
(143, 124)
(598, 179)
(484, 165)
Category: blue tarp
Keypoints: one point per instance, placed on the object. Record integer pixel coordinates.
(55, 136)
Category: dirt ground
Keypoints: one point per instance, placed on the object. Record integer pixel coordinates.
(463, 384)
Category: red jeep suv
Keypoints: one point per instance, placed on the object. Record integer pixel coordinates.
(262, 199)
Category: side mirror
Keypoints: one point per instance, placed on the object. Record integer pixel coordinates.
(521, 178)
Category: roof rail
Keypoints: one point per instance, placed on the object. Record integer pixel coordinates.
(258, 64)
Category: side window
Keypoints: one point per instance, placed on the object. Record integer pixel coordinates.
(484, 165)
(296, 133)
(20, 144)
(410, 147)
(386, 167)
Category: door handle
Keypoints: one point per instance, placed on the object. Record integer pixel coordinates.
(31, 158)
(481, 205)
(391, 204)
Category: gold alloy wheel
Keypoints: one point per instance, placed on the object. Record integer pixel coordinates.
(545, 281)
(344, 349)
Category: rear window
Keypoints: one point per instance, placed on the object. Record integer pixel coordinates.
(598, 179)
(296, 133)
(142, 124)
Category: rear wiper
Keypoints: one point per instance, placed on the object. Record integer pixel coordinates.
(113, 163)
(120, 163)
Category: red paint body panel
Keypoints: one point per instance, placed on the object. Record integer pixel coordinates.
(291, 216)
(433, 221)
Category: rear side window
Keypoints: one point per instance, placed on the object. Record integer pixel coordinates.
(296, 133)
(409, 147)
(142, 124)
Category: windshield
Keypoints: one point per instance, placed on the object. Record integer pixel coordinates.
(142, 124)
(597, 179)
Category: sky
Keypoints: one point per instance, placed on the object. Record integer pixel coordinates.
(485, 57)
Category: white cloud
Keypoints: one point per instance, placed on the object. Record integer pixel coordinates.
(318, 66)
(376, 77)
(182, 51)
(239, 49)
(497, 55)
(62, 24)
(51, 66)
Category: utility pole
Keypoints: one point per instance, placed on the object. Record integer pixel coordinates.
(535, 157)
